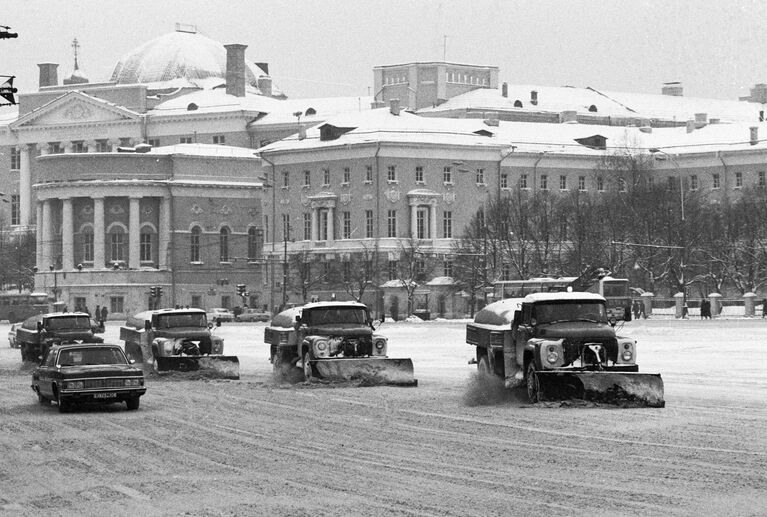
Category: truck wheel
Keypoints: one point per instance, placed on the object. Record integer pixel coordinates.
(533, 384)
(483, 366)
(42, 400)
(133, 403)
(308, 372)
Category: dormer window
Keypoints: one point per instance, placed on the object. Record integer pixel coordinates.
(330, 132)
(597, 142)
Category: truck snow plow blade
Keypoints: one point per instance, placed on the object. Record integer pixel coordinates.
(398, 372)
(621, 388)
(220, 366)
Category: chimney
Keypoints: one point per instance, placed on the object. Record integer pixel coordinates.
(754, 135)
(505, 90)
(235, 69)
(301, 132)
(690, 126)
(265, 85)
(534, 98)
(761, 115)
(673, 89)
(701, 119)
(394, 106)
(48, 74)
(264, 67)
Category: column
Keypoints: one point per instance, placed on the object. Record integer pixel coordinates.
(414, 221)
(433, 220)
(98, 233)
(39, 231)
(47, 242)
(134, 234)
(164, 235)
(25, 185)
(331, 232)
(315, 225)
(67, 236)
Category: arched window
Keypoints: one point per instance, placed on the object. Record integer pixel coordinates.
(255, 242)
(223, 244)
(194, 245)
(517, 103)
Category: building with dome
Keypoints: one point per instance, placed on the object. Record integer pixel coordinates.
(148, 178)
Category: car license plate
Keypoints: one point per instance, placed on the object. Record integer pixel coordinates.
(105, 395)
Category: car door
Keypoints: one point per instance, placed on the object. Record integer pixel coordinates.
(46, 371)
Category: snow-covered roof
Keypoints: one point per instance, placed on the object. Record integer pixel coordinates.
(204, 150)
(441, 280)
(312, 109)
(215, 101)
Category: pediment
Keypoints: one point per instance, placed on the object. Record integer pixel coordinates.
(74, 108)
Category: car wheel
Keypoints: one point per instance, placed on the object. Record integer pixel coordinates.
(308, 371)
(155, 365)
(63, 403)
(133, 403)
(42, 400)
(483, 366)
(533, 384)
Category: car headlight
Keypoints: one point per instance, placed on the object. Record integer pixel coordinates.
(74, 385)
(134, 382)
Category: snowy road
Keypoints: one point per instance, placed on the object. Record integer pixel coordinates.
(447, 447)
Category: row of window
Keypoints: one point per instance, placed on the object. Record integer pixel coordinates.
(255, 244)
(391, 175)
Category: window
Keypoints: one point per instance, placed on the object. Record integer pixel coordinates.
(563, 229)
(447, 267)
(117, 245)
(196, 301)
(544, 182)
(600, 184)
(347, 175)
(504, 180)
(223, 244)
(422, 223)
(670, 182)
(347, 225)
(715, 181)
(563, 182)
(185, 140)
(154, 142)
(368, 224)
(369, 173)
(323, 234)
(55, 148)
(307, 226)
(286, 226)
(762, 180)
(79, 147)
(391, 223)
(419, 174)
(523, 181)
(582, 183)
(88, 245)
(194, 245)
(285, 178)
(480, 176)
(693, 182)
(391, 268)
(325, 177)
(738, 180)
(102, 146)
(255, 242)
(447, 225)
(447, 175)
(420, 267)
(346, 271)
(15, 158)
(15, 209)
(145, 247)
(116, 304)
(481, 218)
(226, 302)
(219, 139)
(391, 173)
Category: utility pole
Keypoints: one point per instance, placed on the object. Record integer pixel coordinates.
(285, 232)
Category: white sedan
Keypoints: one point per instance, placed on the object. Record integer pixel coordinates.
(219, 314)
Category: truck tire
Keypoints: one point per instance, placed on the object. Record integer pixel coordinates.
(133, 403)
(533, 384)
(483, 366)
(42, 400)
(308, 371)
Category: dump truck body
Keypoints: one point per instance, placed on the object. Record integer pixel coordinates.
(559, 346)
(177, 340)
(38, 333)
(333, 340)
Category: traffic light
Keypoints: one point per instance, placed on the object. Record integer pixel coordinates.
(159, 291)
(241, 289)
(153, 292)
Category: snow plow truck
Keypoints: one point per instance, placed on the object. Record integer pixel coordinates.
(177, 339)
(561, 346)
(335, 341)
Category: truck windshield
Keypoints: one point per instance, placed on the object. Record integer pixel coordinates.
(195, 319)
(335, 315)
(68, 322)
(570, 311)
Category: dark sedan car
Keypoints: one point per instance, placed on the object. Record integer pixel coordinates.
(87, 373)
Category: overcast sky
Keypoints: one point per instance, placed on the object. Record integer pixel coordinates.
(716, 48)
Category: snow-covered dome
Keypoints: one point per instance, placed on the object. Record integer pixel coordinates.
(177, 55)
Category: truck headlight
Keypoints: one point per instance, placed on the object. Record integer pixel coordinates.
(322, 345)
(552, 355)
(627, 355)
(167, 348)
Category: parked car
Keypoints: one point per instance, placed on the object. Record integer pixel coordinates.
(253, 315)
(219, 313)
(92, 373)
(12, 335)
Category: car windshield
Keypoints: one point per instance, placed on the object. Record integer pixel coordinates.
(570, 311)
(193, 319)
(91, 356)
(335, 315)
(68, 322)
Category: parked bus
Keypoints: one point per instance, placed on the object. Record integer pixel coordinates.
(15, 306)
(615, 290)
